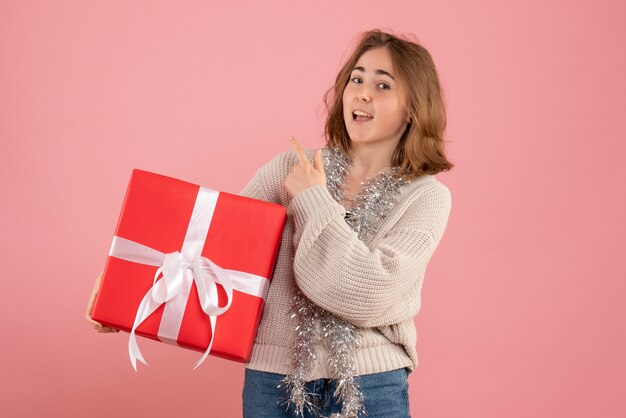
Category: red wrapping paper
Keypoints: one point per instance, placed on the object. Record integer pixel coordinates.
(244, 235)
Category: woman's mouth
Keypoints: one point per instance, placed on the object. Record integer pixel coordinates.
(361, 116)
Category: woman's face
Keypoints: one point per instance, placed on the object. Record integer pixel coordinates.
(374, 100)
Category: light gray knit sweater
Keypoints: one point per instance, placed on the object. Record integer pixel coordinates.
(374, 285)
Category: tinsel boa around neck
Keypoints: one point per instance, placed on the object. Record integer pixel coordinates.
(372, 203)
(339, 337)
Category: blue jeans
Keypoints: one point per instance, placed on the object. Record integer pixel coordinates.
(385, 395)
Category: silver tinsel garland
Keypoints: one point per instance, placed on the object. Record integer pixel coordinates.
(367, 209)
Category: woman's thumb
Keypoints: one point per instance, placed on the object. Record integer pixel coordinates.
(317, 161)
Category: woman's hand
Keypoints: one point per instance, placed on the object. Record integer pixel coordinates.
(303, 174)
(97, 325)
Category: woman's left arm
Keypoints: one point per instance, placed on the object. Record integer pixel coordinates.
(369, 287)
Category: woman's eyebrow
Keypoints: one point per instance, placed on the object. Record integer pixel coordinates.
(383, 72)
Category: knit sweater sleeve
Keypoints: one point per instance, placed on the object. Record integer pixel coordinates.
(369, 287)
(263, 185)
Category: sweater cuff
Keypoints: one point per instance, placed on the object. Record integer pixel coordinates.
(311, 201)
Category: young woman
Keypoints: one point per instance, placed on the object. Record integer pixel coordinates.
(365, 214)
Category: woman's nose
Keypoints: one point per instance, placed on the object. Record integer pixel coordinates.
(363, 94)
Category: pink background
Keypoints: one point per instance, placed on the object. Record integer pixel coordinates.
(523, 312)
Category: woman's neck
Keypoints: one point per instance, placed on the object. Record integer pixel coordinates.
(369, 159)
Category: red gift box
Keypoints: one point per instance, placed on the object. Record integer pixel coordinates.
(189, 266)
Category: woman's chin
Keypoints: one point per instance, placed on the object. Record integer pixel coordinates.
(359, 141)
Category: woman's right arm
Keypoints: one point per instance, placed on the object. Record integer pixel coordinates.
(92, 299)
(267, 182)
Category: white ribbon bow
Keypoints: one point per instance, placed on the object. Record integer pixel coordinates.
(177, 272)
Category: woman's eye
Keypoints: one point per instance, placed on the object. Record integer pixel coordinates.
(383, 86)
(356, 80)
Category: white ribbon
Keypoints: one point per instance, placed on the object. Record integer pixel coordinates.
(179, 270)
